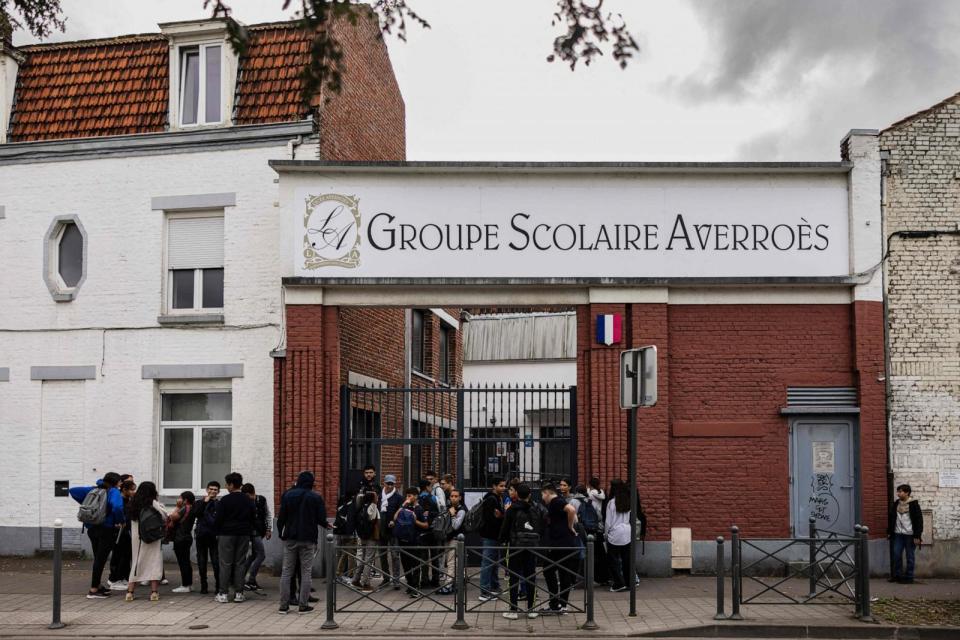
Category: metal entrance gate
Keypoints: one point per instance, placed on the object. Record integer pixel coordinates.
(474, 434)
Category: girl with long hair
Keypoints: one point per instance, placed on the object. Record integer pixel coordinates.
(617, 533)
(146, 562)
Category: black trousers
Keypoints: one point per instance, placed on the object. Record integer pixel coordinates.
(207, 548)
(619, 564)
(601, 564)
(523, 568)
(181, 549)
(121, 556)
(413, 559)
(561, 574)
(101, 542)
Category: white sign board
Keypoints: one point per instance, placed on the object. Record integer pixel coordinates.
(482, 225)
(950, 478)
(638, 377)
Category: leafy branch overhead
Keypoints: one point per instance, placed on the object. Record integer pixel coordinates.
(587, 30)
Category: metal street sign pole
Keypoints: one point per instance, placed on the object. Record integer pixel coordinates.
(632, 473)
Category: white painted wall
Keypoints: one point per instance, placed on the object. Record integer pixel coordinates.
(76, 431)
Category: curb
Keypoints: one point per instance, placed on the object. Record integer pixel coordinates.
(866, 632)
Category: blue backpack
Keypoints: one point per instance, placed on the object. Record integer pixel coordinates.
(404, 529)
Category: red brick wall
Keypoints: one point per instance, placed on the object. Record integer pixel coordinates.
(733, 364)
(725, 369)
(307, 401)
(366, 120)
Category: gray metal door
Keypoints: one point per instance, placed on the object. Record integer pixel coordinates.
(824, 474)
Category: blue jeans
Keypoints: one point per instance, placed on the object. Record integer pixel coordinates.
(902, 542)
(489, 567)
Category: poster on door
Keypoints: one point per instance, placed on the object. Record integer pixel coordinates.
(824, 459)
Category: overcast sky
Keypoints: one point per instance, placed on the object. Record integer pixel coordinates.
(715, 80)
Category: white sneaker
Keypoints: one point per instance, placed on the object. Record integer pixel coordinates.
(182, 589)
(221, 597)
(533, 614)
(119, 585)
(239, 597)
(144, 583)
(511, 615)
(486, 598)
(164, 582)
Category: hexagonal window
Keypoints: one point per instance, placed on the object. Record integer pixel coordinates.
(65, 257)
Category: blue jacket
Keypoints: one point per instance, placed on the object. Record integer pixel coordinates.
(114, 500)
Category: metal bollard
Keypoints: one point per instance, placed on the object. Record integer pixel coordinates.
(735, 572)
(858, 562)
(459, 573)
(590, 624)
(865, 569)
(813, 558)
(330, 623)
(56, 623)
(720, 615)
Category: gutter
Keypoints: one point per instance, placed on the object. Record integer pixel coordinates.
(193, 140)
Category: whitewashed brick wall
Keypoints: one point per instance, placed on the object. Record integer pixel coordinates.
(78, 430)
(922, 191)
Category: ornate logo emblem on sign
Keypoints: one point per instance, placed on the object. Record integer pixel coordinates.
(331, 236)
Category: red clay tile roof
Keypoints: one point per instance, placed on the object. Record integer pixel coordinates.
(92, 88)
(268, 85)
(120, 85)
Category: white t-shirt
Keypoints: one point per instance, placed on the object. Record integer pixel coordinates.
(904, 526)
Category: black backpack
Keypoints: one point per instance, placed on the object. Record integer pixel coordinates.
(365, 526)
(151, 525)
(527, 528)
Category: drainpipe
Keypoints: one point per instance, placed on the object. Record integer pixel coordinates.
(292, 145)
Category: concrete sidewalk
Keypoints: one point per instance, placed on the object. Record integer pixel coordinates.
(668, 606)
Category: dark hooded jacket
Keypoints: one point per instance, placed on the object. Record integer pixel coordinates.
(302, 511)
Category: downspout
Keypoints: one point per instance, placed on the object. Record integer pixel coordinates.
(292, 146)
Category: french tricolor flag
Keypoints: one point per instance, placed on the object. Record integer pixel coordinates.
(609, 328)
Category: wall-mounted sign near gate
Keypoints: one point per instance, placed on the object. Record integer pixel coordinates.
(638, 378)
(365, 224)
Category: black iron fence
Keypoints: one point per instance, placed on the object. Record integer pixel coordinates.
(472, 433)
(545, 575)
(819, 569)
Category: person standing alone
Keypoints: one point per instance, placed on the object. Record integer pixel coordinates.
(904, 528)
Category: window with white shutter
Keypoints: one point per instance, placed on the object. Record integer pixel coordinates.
(194, 263)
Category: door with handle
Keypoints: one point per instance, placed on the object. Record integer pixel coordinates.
(824, 474)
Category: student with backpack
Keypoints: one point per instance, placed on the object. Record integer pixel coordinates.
(345, 529)
(234, 522)
(408, 524)
(180, 527)
(262, 530)
(491, 520)
(597, 498)
(367, 518)
(561, 573)
(456, 513)
(120, 558)
(206, 536)
(148, 521)
(429, 539)
(101, 512)
(521, 531)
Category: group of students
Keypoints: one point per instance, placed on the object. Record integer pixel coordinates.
(410, 535)
(126, 523)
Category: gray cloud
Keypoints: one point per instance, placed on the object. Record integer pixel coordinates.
(894, 57)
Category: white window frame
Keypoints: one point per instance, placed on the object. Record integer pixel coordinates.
(202, 47)
(198, 307)
(51, 257)
(197, 426)
(56, 255)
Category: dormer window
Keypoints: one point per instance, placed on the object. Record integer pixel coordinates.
(201, 84)
(203, 73)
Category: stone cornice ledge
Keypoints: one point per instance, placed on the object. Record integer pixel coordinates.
(153, 143)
